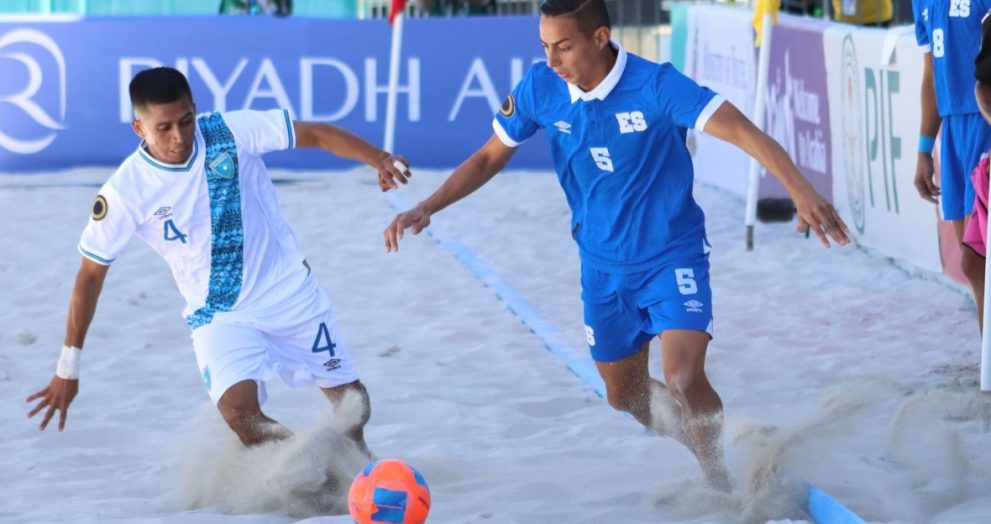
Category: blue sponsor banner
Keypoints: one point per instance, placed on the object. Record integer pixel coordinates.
(63, 84)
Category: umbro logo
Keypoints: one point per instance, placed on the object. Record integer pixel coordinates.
(693, 306)
(163, 212)
(563, 127)
(332, 364)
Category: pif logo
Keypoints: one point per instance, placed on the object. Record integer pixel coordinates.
(853, 145)
(31, 110)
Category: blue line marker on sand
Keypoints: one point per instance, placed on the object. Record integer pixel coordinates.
(824, 509)
(583, 368)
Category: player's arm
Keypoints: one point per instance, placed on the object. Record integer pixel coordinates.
(928, 128)
(342, 143)
(64, 386)
(472, 174)
(729, 124)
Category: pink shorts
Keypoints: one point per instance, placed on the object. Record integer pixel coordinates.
(976, 233)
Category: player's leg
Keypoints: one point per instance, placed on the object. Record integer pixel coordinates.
(972, 263)
(973, 268)
(678, 304)
(701, 409)
(241, 410)
(305, 343)
(975, 236)
(967, 139)
(233, 363)
(353, 397)
(620, 349)
(687, 409)
(953, 173)
(630, 388)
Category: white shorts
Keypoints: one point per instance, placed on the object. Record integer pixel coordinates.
(299, 343)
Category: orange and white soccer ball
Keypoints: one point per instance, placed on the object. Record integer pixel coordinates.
(389, 491)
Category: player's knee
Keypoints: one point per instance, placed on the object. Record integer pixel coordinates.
(239, 418)
(686, 385)
(243, 418)
(621, 400)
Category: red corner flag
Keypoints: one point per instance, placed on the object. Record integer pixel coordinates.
(396, 8)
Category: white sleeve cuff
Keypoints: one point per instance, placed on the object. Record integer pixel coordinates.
(708, 111)
(926, 48)
(503, 135)
(103, 261)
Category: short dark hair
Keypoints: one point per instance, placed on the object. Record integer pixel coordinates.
(159, 85)
(590, 14)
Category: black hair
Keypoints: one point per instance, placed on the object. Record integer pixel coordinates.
(159, 85)
(590, 14)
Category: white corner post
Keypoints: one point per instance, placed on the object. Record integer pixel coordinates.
(760, 100)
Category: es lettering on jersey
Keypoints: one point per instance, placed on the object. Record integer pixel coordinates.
(620, 155)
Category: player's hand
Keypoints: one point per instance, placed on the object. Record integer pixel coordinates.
(55, 397)
(416, 219)
(924, 182)
(817, 213)
(392, 168)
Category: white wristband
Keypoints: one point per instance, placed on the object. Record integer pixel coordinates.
(68, 363)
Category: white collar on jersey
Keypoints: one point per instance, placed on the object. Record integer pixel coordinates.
(607, 84)
(185, 166)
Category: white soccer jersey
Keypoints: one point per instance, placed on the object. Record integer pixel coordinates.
(215, 219)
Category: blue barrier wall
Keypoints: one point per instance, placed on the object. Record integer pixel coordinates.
(63, 85)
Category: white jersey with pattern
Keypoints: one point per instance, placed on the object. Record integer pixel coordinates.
(214, 219)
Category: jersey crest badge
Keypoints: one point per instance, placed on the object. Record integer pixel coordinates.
(223, 165)
(508, 108)
(99, 208)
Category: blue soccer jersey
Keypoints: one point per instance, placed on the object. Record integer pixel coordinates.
(951, 31)
(620, 156)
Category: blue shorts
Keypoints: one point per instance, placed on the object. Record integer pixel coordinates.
(625, 310)
(964, 139)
